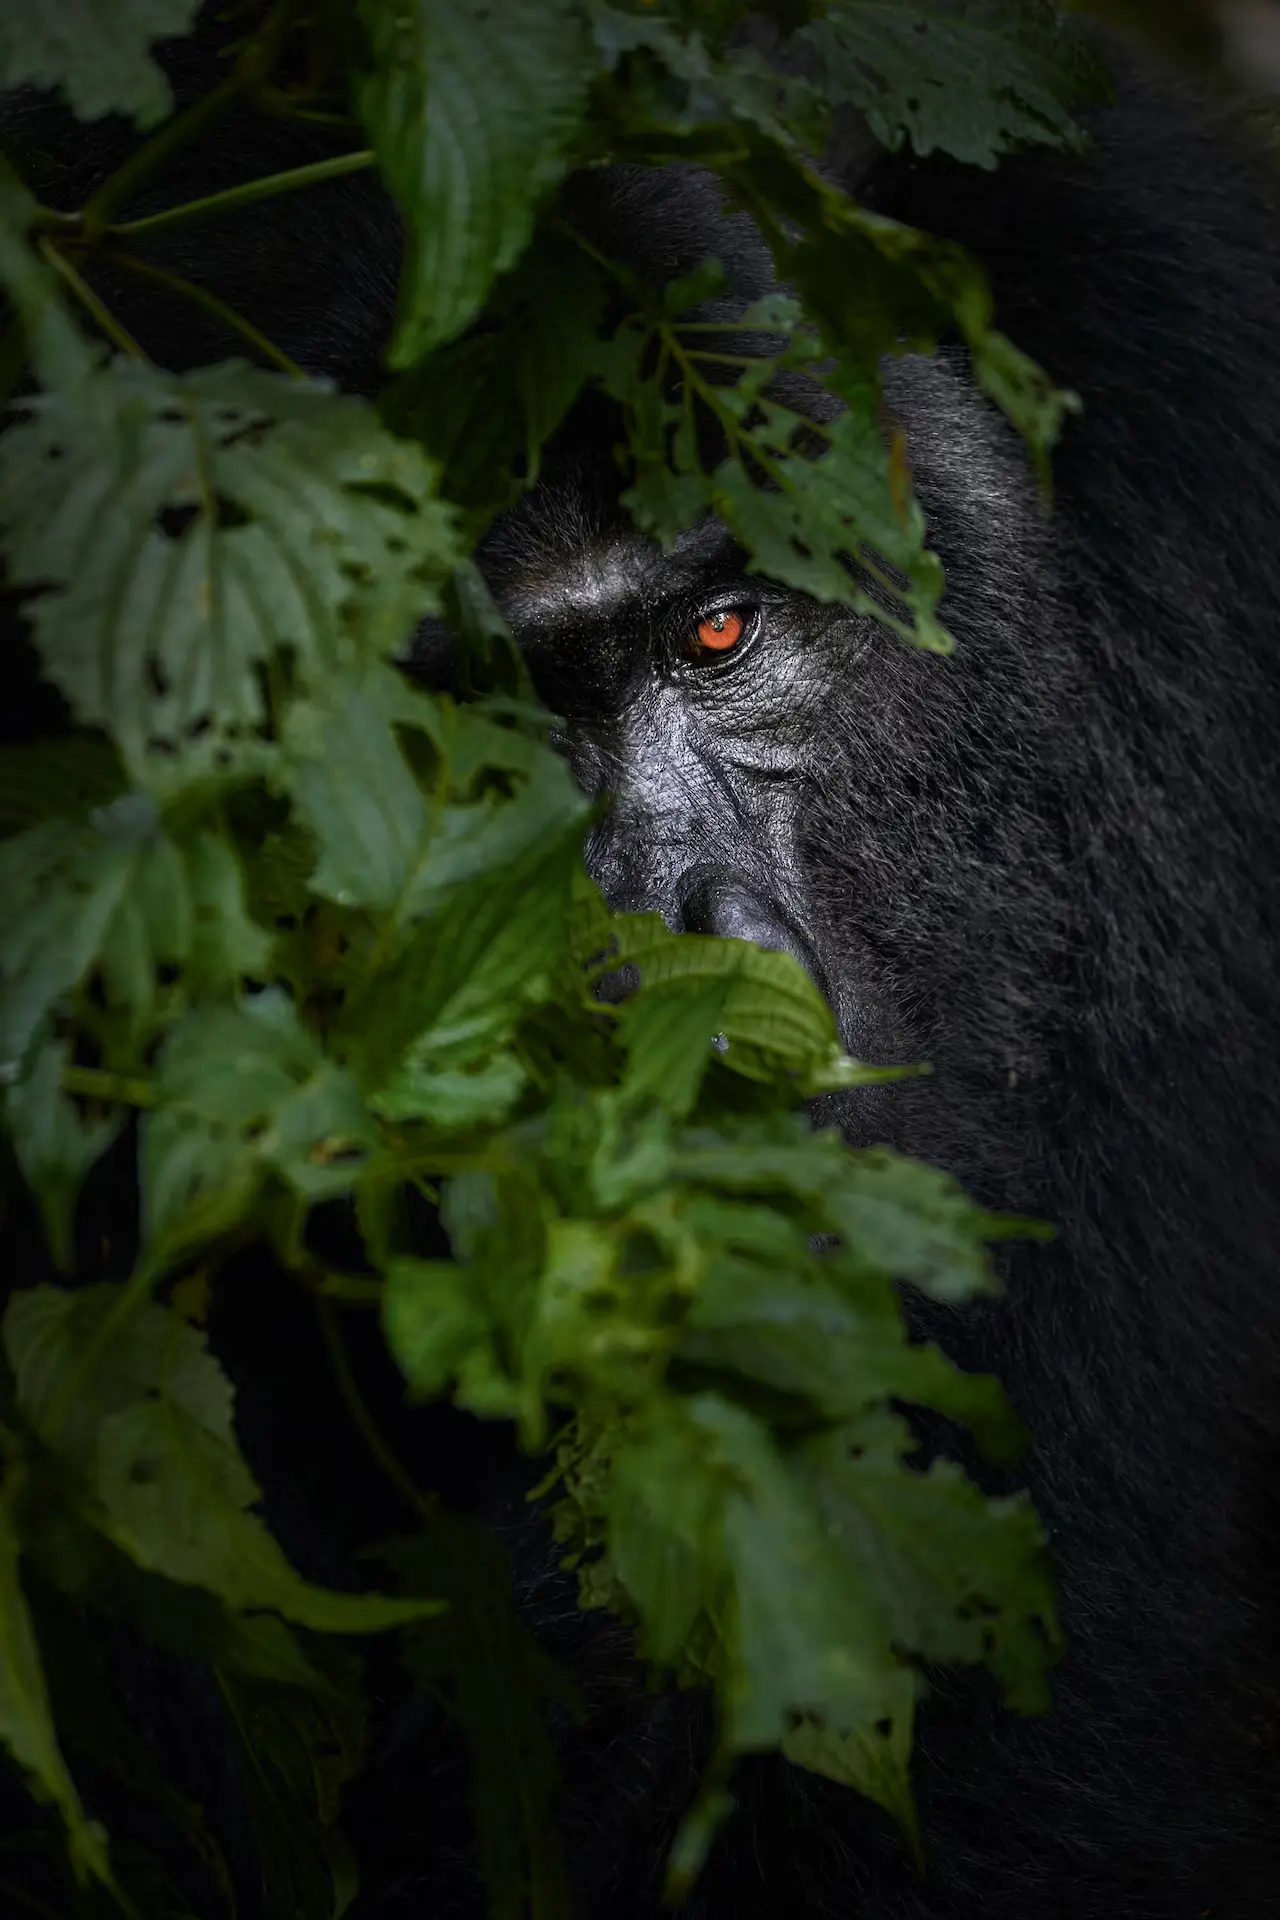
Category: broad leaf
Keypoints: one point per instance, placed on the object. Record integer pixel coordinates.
(242, 1094)
(55, 1147)
(400, 843)
(474, 107)
(235, 514)
(113, 893)
(94, 51)
(896, 61)
(26, 1723)
(128, 1395)
(483, 406)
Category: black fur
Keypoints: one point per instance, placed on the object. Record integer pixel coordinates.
(1048, 865)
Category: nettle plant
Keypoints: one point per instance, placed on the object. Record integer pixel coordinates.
(281, 929)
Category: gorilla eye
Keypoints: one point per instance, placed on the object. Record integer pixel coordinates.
(716, 634)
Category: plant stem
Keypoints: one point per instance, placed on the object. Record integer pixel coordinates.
(213, 205)
(352, 1288)
(364, 1422)
(125, 182)
(97, 310)
(209, 303)
(94, 1083)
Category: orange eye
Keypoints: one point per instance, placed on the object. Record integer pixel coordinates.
(718, 633)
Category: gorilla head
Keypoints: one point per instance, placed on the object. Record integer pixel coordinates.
(1046, 864)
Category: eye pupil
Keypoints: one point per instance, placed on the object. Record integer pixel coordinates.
(718, 632)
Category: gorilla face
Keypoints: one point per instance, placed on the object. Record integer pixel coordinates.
(791, 773)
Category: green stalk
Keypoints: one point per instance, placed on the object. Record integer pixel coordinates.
(213, 205)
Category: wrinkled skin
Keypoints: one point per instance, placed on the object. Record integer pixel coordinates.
(1047, 864)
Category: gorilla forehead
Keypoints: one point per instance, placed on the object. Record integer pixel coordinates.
(570, 556)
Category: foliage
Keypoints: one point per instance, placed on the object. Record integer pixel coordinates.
(281, 929)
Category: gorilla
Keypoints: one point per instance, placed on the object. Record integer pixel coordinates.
(1047, 864)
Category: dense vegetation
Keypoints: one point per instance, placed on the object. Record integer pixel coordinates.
(301, 933)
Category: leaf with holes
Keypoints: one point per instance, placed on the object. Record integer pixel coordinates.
(896, 62)
(235, 517)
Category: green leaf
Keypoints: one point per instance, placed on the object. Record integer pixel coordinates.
(494, 1678)
(669, 1036)
(798, 1636)
(91, 1571)
(54, 1146)
(431, 1035)
(402, 845)
(898, 62)
(234, 515)
(93, 51)
(113, 893)
(917, 1223)
(484, 406)
(26, 1722)
(44, 779)
(89, 1717)
(436, 1316)
(818, 498)
(873, 1758)
(771, 1311)
(61, 355)
(242, 1093)
(298, 1752)
(960, 1577)
(127, 1394)
(474, 107)
(448, 1098)
(771, 1021)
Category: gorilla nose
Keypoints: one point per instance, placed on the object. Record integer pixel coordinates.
(716, 900)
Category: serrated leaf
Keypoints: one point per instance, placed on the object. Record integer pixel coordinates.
(189, 1621)
(235, 514)
(94, 51)
(26, 1722)
(401, 846)
(448, 1098)
(818, 499)
(772, 1021)
(242, 1093)
(897, 62)
(473, 107)
(961, 1577)
(915, 1222)
(459, 986)
(669, 1036)
(54, 1146)
(113, 892)
(873, 1758)
(128, 1395)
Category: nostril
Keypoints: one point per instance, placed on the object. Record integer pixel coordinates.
(729, 908)
(715, 900)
